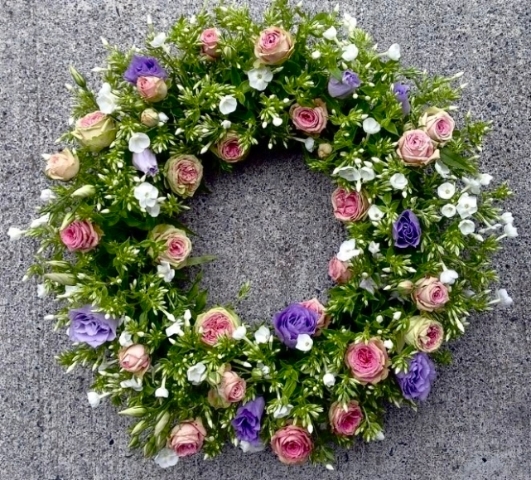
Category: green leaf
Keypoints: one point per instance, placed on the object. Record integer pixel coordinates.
(456, 162)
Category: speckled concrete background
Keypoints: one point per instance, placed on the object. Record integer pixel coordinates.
(269, 224)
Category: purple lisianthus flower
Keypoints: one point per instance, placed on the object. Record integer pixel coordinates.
(345, 87)
(416, 383)
(146, 162)
(246, 423)
(401, 93)
(293, 321)
(143, 67)
(91, 327)
(406, 230)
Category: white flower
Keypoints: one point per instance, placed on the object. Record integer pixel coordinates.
(250, 447)
(226, 124)
(316, 54)
(262, 335)
(503, 298)
(371, 126)
(94, 399)
(398, 181)
(394, 52)
(348, 250)
(126, 339)
(467, 205)
(375, 214)
(388, 344)
(41, 290)
(374, 248)
(47, 195)
(484, 179)
(159, 40)
(472, 184)
(239, 333)
(449, 210)
(259, 78)
(304, 342)
(166, 458)
(15, 233)
(196, 373)
(146, 194)
(138, 142)
(330, 34)
(379, 436)
(368, 284)
(227, 104)
(349, 22)
(162, 392)
(264, 369)
(163, 118)
(442, 169)
(510, 230)
(135, 383)
(446, 190)
(367, 174)
(165, 271)
(282, 411)
(350, 53)
(507, 218)
(277, 121)
(38, 222)
(309, 143)
(174, 329)
(187, 316)
(348, 173)
(467, 227)
(448, 276)
(329, 380)
(107, 101)
(154, 210)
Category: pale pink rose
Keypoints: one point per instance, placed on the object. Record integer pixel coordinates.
(209, 39)
(438, 125)
(292, 445)
(339, 271)
(310, 120)
(178, 245)
(345, 422)
(424, 334)
(80, 236)
(184, 174)
(230, 150)
(430, 294)
(187, 438)
(368, 362)
(232, 387)
(91, 119)
(152, 89)
(134, 359)
(215, 323)
(416, 148)
(349, 206)
(274, 46)
(62, 166)
(316, 306)
(95, 131)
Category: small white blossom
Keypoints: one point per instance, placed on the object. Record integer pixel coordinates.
(398, 181)
(162, 392)
(467, 227)
(163, 118)
(304, 342)
(166, 458)
(309, 143)
(329, 466)
(449, 210)
(507, 218)
(154, 210)
(388, 344)
(146, 194)
(262, 335)
(472, 184)
(350, 53)
(349, 22)
(446, 190)
(196, 373)
(316, 54)
(165, 271)
(510, 230)
(350, 174)
(484, 179)
(47, 195)
(125, 339)
(368, 284)
(330, 34)
(282, 411)
(94, 399)
(448, 276)
(259, 78)
(348, 250)
(174, 329)
(159, 40)
(379, 436)
(394, 52)
(375, 214)
(442, 169)
(38, 222)
(467, 205)
(277, 121)
(107, 101)
(41, 290)
(248, 447)
(239, 333)
(228, 104)
(134, 383)
(503, 298)
(371, 126)
(329, 380)
(15, 233)
(138, 142)
(374, 248)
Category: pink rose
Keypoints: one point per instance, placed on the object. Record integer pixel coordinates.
(232, 387)
(216, 323)
(95, 131)
(416, 148)
(80, 236)
(424, 334)
(293, 445)
(438, 125)
(134, 359)
(230, 150)
(316, 306)
(310, 120)
(209, 42)
(187, 438)
(349, 206)
(345, 422)
(430, 294)
(368, 362)
(62, 166)
(184, 174)
(339, 271)
(274, 46)
(152, 89)
(177, 245)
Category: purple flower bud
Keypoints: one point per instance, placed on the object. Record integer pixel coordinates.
(143, 67)
(146, 162)
(246, 423)
(345, 87)
(401, 92)
(406, 230)
(416, 383)
(293, 321)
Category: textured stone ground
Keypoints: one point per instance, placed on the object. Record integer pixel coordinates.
(270, 224)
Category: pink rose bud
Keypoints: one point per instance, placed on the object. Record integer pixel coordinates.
(274, 46)
(184, 174)
(323, 320)
(95, 131)
(209, 42)
(187, 438)
(438, 125)
(80, 236)
(424, 334)
(62, 166)
(215, 323)
(149, 117)
(345, 422)
(215, 400)
(134, 359)
(368, 362)
(416, 148)
(310, 120)
(349, 206)
(339, 271)
(292, 445)
(230, 150)
(430, 294)
(176, 245)
(152, 89)
(232, 388)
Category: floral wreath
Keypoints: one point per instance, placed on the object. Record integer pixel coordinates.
(422, 225)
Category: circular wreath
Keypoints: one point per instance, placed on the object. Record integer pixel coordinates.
(421, 221)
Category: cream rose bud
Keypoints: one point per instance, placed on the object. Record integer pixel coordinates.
(152, 89)
(438, 125)
(134, 359)
(324, 150)
(215, 323)
(424, 334)
(62, 166)
(184, 174)
(274, 46)
(232, 387)
(430, 294)
(149, 117)
(417, 149)
(345, 421)
(187, 438)
(95, 131)
(177, 246)
(229, 149)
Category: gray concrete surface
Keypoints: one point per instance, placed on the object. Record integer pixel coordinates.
(476, 424)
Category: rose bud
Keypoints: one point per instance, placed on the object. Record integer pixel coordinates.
(215, 400)
(95, 131)
(184, 174)
(152, 89)
(339, 271)
(149, 118)
(324, 150)
(80, 236)
(209, 43)
(177, 245)
(349, 206)
(438, 125)
(430, 294)
(368, 362)
(345, 422)
(274, 46)
(187, 438)
(310, 120)
(323, 320)
(215, 323)
(134, 359)
(417, 149)
(62, 166)
(232, 387)
(405, 286)
(424, 334)
(230, 150)
(292, 445)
